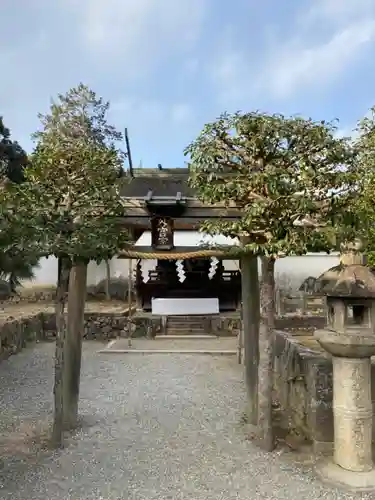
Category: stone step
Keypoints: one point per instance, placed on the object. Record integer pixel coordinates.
(186, 325)
(186, 337)
(182, 323)
(200, 325)
(180, 333)
(188, 318)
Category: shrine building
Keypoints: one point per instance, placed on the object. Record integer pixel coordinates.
(178, 270)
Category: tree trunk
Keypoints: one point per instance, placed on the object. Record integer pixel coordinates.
(73, 343)
(130, 301)
(61, 263)
(265, 381)
(62, 288)
(250, 326)
(107, 279)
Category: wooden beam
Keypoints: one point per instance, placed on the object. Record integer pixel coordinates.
(143, 223)
(130, 201)
(164, 172)
(134, 211)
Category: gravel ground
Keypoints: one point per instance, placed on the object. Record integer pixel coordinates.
(156, 427)
(213, 344)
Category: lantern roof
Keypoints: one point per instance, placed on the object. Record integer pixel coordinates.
(356, 281)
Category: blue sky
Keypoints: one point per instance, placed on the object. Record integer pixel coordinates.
(169, 66)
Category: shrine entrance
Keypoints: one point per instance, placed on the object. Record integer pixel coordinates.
(175, 261)
(201, 278)
(179, 277)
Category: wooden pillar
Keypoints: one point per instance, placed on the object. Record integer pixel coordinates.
(130, 302)
(73, 342)
(58, 390)
(138, 283)
(266, 336)
(250, 318)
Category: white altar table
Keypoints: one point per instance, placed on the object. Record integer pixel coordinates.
(184, 307)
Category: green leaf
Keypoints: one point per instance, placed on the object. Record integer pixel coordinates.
(277, 170)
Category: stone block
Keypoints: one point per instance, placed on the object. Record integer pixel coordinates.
(303, 387)
(319, 397)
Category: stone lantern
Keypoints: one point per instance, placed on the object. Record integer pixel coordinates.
(349, 337)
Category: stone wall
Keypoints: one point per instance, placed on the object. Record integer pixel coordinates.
(103, 326)
(16, 333)
(223, 325)
(303, 389)
(118, 290)
(31, 295)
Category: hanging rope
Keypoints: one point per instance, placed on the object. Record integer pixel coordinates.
(194, 254)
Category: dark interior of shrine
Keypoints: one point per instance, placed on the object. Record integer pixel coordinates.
(163, 201)
(164, 282)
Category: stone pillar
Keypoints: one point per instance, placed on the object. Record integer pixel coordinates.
(349, 336)
(352, 466)
(352, 411)
(352, 253)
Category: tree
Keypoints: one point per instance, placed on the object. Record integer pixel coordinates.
(70, 201)
(13, 158)
(15, 265)
(289, 177)
(364, 202)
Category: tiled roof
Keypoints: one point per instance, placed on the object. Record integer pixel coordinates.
(165, 182)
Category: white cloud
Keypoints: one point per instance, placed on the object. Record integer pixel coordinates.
(149, 111)
(138, 110)
(231, 75)
(296, 66)
(117, 47)
(337, 12)
(139, 31)
(324, 42)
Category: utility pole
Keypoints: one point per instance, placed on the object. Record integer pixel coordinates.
(129, 154)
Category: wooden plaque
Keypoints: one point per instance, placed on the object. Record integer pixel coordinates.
(162, 233)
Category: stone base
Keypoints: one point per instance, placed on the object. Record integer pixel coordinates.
(336, 476)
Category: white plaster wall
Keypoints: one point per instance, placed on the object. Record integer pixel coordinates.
(290, 271)
(47, 273)
(97, 272)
